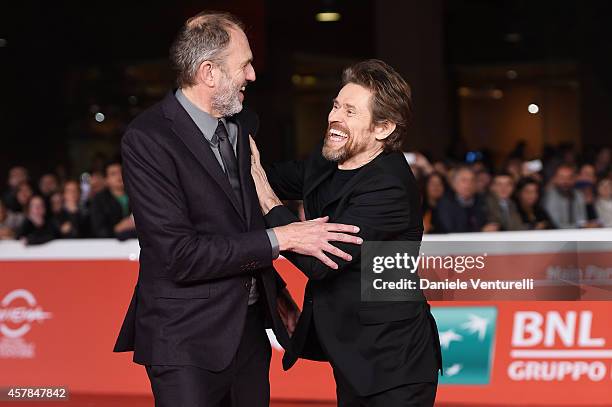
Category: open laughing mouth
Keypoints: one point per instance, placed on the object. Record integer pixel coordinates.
(336, 135)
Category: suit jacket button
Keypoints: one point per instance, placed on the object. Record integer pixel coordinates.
(247, 285)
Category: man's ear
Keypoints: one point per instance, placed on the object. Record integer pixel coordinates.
(206, 74)
(383, 130)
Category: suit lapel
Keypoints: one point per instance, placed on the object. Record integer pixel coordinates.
(193, 138)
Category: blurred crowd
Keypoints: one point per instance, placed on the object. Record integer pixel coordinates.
(94, 206)
(559, 191)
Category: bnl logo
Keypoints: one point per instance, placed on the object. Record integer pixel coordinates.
(467, 338)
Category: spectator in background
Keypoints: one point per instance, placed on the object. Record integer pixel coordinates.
(110, 210)
(56, 203)
(527, 198)
(434, 188)
(563, 203)
(36, 228)
(72, 220)
(482, 178)
(603, 203)
(47, 185)
(564, 154)
(585, 183)
(587, 174)
(501, 209)
(22, 196)
(463, 209)
(96, 184)
(16, 176)
(10, 222)
(603, 162)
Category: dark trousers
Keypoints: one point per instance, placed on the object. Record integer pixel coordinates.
(244, 383)
(408, 395)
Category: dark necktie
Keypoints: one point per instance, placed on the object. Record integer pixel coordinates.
(229, 160)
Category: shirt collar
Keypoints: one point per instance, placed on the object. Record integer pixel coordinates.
(205, 122)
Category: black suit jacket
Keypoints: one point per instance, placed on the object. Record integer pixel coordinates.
(374, 345)
(198, 251)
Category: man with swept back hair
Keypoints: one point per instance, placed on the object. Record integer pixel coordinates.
(206, 288)
(383, 354)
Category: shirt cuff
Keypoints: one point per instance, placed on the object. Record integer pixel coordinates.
(273, 243)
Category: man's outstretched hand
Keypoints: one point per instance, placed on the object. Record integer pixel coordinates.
(312, 237)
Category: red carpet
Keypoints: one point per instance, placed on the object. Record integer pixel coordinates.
(84, 400)
(129, 401)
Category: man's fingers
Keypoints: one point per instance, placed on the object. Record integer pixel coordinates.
(340, 227)
(326, 260)
(331, 249)
(254, 150)
(343, 237)
(322, 219)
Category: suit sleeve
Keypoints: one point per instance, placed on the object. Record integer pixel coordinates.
(383, 211)
(286, 179)
(162, 220)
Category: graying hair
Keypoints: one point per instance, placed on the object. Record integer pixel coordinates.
(204, 37)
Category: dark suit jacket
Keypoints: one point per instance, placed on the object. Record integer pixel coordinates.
(374, 345)
(198, 251)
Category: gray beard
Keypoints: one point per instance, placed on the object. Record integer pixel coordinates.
(335, 155)
(226, 101)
